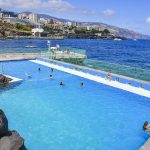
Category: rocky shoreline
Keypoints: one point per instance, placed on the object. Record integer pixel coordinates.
(62, 37)
(9, 140)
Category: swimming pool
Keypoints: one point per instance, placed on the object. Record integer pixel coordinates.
(92, 117)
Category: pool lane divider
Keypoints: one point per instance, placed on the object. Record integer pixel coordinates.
(116, 84)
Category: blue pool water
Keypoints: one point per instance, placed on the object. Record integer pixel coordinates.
(93, 117)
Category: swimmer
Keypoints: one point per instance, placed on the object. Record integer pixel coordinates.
(146, 126)
(51, 76)
(81, 84)
(117, 79)
(29, 76)
(108, 77)
(52, 69)
(39, 69)
(61, 84)
(141, 86)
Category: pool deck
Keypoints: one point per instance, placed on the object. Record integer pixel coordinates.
(18, 56)
(116, 84)
(146, 146)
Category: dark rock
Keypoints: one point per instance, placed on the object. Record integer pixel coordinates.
(12, 141)
(3, 124)
(4, 79)
(9, 140)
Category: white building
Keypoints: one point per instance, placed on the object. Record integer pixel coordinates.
(7, 15)
(75, 24)
(33, 18)
(1, 15)
(37, 32)
(23, 16)
(82, 28)
(69, 23)
(43, 21)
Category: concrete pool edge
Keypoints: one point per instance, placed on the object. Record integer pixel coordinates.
(95, 70)
(126, 87)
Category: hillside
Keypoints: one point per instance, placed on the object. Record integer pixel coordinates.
(7, 29)
(117, 30)
(120, 32)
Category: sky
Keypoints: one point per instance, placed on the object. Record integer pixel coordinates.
(130, 14)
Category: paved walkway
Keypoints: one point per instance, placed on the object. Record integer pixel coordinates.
(99, 79)
(18, 56)
(146, 146)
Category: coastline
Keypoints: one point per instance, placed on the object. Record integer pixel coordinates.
(31, 37)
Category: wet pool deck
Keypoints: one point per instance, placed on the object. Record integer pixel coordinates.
(146, 146)
(116, 84)
(18, 56)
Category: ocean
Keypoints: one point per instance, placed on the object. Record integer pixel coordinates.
(127, 57)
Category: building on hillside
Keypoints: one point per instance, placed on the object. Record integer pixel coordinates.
(43, 21)
(33, 18)
(6, 14)
(74, 24)
(58, 22)
(56, 26)
(82, 28)
(23, 16)
(1, 15)
(69, 23)
(36, 32)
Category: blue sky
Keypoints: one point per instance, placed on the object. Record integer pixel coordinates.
(131, 14)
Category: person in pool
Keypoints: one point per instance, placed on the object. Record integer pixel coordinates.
(146, 126)
(109, 76)
(61, 84)
(141, 86)
(81, 84)
(51, 76)
(28, 75)
(52, 69)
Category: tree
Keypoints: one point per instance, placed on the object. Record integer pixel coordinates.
(105, 32)
(23, 27)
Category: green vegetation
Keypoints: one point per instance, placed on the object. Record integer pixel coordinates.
(8, 29)
(105, 32)
(93, 31)
(49, 30)
(82, 31)
(23, 27)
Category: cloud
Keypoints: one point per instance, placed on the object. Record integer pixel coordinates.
(38, 5)
(147, 20)
(108, 12)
